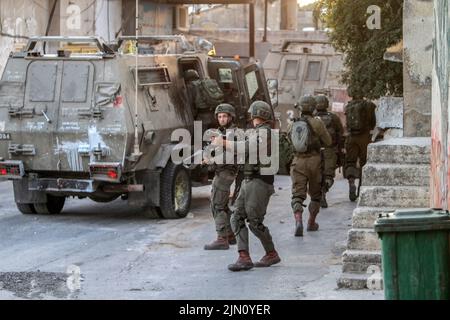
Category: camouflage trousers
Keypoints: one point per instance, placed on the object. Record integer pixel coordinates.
(220, 196)
(251, 205)
(306, 179)
(356, 151)
(330, 161)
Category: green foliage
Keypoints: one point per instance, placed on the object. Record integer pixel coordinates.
(366, 70)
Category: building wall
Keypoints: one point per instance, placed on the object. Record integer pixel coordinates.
(154, 18)
(108, 18)
(417, 67)
(20, 19)
(282, 15)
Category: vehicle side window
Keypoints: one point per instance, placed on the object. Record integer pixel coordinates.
(252, 84)
(313, 73)
(75, 82)
(291, 70)
(225, 75)
(42, 81)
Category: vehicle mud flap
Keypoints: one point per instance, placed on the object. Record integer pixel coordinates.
(148, 200)
(23, 195)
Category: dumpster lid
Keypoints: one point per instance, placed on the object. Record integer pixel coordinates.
(413, 220)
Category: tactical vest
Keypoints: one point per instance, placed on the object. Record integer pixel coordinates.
(233, 168)
(327, 119)
(254, 170)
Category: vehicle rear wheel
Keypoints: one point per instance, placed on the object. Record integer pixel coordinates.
(26, 208)
(150, 213)
(54, 205)
(176, 191)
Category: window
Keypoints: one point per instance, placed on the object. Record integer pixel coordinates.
(75, 81)
(153, 76)
(291, 70)
(252, 84)
(42, 81)
(225, 75)
(313, 73)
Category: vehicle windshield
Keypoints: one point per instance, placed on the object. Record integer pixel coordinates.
(154, 47)
(51, 48)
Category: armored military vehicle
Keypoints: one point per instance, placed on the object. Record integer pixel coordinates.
(306, 67)
(70, 125)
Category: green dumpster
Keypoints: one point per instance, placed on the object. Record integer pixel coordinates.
(415, 246)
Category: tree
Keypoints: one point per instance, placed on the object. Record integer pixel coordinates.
(364, 48)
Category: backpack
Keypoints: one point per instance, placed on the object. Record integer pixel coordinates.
(207, 94)
(355, 114)
(303, 136)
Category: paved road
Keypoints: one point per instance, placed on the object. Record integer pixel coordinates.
(122, 255)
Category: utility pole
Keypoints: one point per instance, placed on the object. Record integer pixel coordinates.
(266, 5)
(251, 27)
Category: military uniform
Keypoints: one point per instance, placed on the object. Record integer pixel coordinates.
(225, 175)
(329, 154)
(357, 141)
(253, 199)
(305, 168)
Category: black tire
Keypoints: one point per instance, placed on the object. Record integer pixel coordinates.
(175, 191)
(26, 208)
(54, 205)
(151, 213)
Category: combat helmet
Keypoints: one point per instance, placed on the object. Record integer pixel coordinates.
(322, 103)
(307, 104)
(191, 75)
(225, 108)
(260, 109)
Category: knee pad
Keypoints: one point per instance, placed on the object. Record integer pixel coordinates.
(256, 226)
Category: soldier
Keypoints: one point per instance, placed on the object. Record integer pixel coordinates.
(224, 176)
(308, 135)
(205, 95)
(253, 199)
(329, 154)
(360, 115)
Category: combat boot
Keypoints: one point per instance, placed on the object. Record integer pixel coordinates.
(298, 224)
(243, 263)
(269, 259)
(323, 201)
(352, 190)
(221, 243)
(314, 208)
(231, 239)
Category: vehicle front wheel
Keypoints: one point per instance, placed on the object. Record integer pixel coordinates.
(176, 191)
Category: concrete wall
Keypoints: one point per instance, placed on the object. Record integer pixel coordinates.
(417, 24)
(20, 19)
